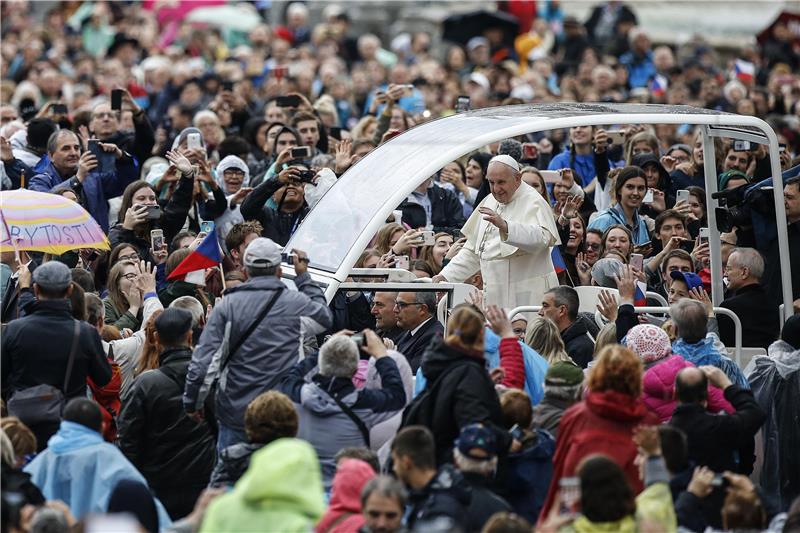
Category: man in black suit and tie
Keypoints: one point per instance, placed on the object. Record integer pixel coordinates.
(415, 313)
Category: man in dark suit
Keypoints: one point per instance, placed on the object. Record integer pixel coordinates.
(748, 299)
(415, 312)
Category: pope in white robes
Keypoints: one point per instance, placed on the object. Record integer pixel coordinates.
(509, 239)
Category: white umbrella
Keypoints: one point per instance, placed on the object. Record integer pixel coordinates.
(238, 17)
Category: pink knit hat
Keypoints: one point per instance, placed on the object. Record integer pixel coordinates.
(649, 342)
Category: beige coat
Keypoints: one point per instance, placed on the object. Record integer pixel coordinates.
(517, 268)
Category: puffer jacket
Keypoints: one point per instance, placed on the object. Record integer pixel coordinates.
(602, 423)
(324, 424)
(658, 389)
(264, 357)
(344, 512)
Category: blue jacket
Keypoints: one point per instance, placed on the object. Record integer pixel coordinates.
(583, 166)
(535, 366)
(640, 68)
(705, 353)
(81, 469)
(98, 187)
(615, 215)
(528, 474)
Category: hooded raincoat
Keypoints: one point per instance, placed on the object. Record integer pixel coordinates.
(344, 512)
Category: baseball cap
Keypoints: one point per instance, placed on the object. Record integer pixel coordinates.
(477, 436)
(691, 279)
(262, 253)
(480, 79)
(52, 276)
(564, 374)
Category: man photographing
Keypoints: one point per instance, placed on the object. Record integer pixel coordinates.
(509, 237)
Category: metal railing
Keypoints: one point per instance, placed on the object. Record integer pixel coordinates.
(737, 324)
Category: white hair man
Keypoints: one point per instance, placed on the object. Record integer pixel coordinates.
(509, 237)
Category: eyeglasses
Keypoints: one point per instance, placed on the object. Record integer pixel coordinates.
(592, 246)
(403, 305)
(129, 257)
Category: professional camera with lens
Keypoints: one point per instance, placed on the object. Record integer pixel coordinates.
(307, 176)
(737, 207)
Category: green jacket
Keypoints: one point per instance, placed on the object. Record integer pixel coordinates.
(281, 491)
(175, 290)
(120, 320)
(654, 512)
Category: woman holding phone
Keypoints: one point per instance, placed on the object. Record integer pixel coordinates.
(140, 211)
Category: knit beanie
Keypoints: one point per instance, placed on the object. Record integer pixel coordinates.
(649, 342)
(564, 374)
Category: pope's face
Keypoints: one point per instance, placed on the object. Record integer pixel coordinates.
(503, 181)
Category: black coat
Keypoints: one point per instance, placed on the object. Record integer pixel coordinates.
(578, 344)
(139, 142)
(413, 347)
(484, 503)
(446, 495)
(232, 463)
(278, 225)
(175, 453)
(772, 266)
(35, 351)
(465, 394)
(715, 439)
(760, 320)
(447, 213)
(10, 304)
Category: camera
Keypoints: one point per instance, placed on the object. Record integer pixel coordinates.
(360, 339)
(307, 176)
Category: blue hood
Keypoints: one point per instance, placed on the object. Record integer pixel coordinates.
(73, 436)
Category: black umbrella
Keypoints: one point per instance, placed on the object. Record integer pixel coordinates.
(463, 27)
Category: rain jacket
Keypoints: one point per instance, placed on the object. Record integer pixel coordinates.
(775, 381)
(658, 389)
(281, 491)
(602, 423)
(615, 215)
(98, 187)
(344, 512)
(230, 214)
(263, 358)
(81, 469)
(705, 352)
(324, 424)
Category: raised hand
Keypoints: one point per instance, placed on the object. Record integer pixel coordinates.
(607, 305)
(499, 322)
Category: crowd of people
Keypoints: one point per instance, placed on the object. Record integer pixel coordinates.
(177, 397)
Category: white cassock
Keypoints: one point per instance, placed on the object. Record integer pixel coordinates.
(517, 268)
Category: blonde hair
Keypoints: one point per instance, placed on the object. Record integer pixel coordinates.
(543, 336)
(148, 357)
(606, 336)
(23, 441)
(384, 237)
(465, 328)
(359, 130)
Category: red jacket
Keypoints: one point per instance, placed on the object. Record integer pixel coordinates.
(601, 424)
(344, 512)
(512, 363)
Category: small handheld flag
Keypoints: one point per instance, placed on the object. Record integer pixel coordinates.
(205, 256)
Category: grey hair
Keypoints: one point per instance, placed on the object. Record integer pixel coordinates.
(338, 357)
(386, 486)
(428, 299)
(467, 464)
(191, 304)
(254, 272)
(751, 259)
(511, 147)
(690, 319)
(52, 141)
(49, 520)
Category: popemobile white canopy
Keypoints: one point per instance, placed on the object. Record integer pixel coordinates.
(344, 221)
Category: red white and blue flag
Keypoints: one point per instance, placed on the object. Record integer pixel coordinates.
(659, 85)
(558, 261)
(639, 298)
(204, 256)
(744, 71)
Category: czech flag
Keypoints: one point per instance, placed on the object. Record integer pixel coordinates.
(659, 85)
(639, 298)
(558, 261)
(744, 71)
(205, 256)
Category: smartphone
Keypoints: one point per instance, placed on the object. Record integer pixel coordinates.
(408, 87)
(227, 85)
(287, 258)
(462, 104)
(207, 226)
(153, 212)
(193, 141)
(687, 245)
(116, 99)
(682, 196)
(279, 72)
(719, 481)
(398, 216)
(529, 151)
(742, 146)
(156, 239)
(106, 161)
(359, 338)
(648, 197)
(615, 137)
(301, 152)
(288, 101)
(703, 235)
(569, 491)
(637, 262)
(335, 132)
(428, 238)
(781, 148)
(516, 432)
(401, 261)
(551, 176)
(59, 109)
